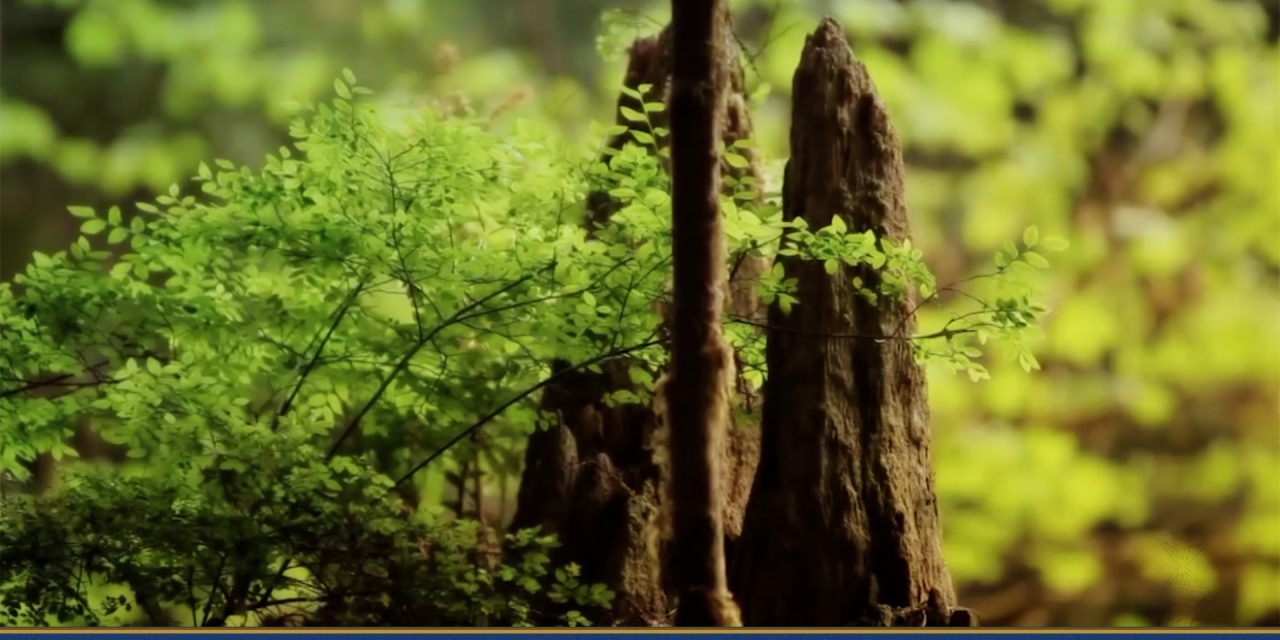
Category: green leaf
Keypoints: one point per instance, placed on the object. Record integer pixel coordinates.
(837, 225)
(1036, 260)
(785, 302)
(1055, 243)
(632, 114)
(736, 161)
(117, 235)
(340, 88)
(92, 227)
(1028, 362)
(1031, 236)
(81, 212)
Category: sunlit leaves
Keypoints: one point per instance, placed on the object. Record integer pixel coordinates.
(94, 226)
(633, 115)
(1031, 237)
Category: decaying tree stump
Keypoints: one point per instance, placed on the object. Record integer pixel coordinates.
(592, 478)
(596, 477)
(842, 524)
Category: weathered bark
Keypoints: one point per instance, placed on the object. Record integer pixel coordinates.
(592, 479)
(699, 386)
(842, 524)
(597, 477)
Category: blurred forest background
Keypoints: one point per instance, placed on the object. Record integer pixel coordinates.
(1134, 481)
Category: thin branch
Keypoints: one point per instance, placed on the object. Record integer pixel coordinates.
(315, 358)
(61, 381)
(460, 314)
(517, 398)
(943, 333)
(271, 587)
(953, 287)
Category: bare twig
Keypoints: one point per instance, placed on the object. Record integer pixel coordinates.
(315, 358)
(517, 398)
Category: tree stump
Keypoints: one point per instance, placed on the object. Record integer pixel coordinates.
(842, 523)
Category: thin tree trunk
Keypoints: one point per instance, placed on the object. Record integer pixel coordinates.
(698, 389)
(842, 524)
(597, 477)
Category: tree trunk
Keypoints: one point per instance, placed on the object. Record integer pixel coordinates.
(597, 477)
(842, 524)
(699, 387)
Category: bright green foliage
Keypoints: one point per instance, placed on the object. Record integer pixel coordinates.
(356, 310)
(340, 289)
(286, 348)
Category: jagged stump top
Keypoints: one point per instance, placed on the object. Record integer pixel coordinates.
(834, 103)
